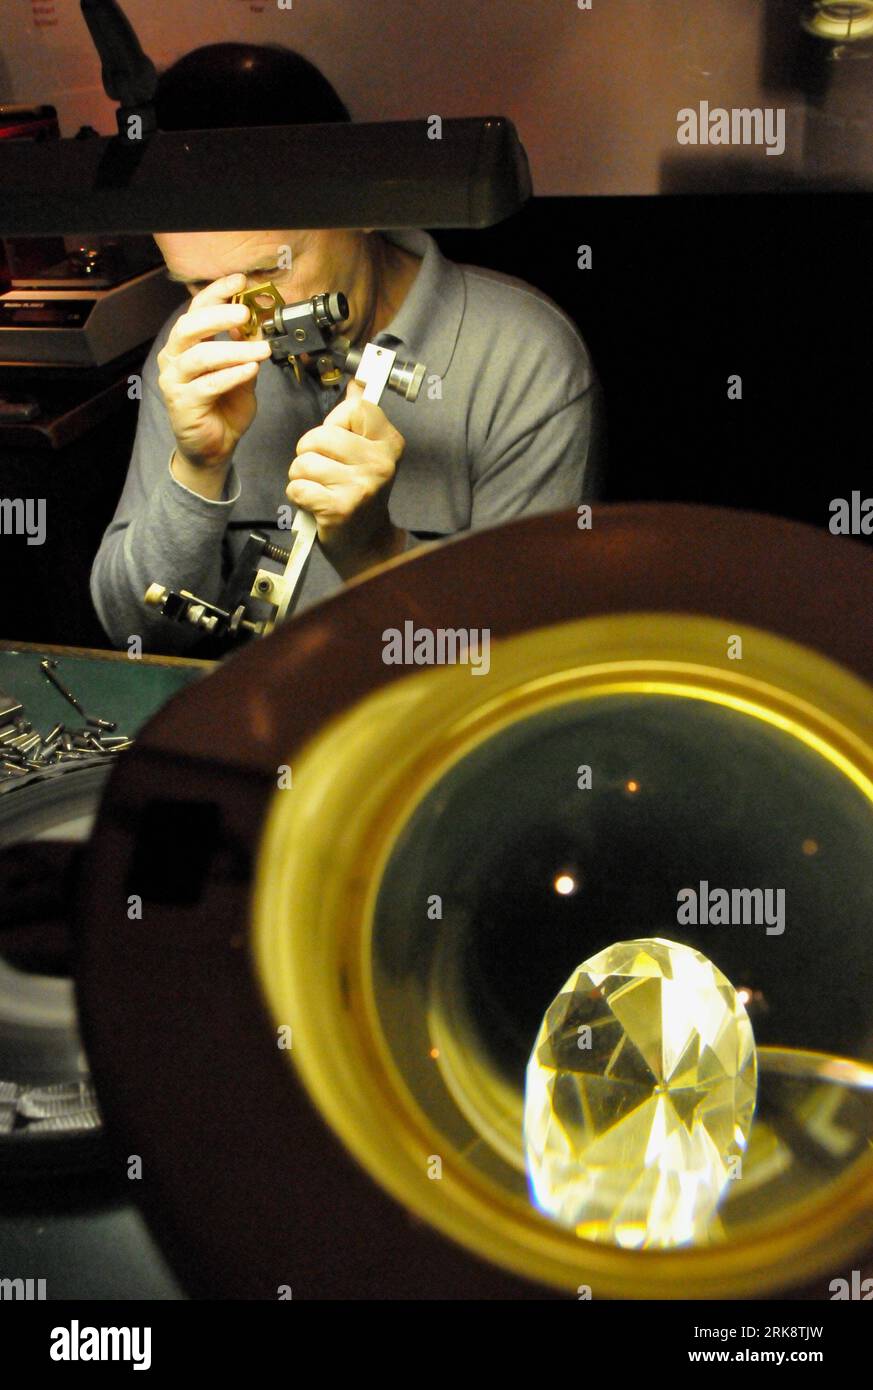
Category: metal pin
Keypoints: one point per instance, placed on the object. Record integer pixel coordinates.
(98, 723)
(48, 669)
(50, 1102)
(80, 1091)
(58, 1124)
(9, 707)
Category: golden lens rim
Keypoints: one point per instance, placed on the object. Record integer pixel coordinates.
(324, 847)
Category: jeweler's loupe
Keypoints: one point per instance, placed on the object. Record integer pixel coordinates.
(565, 960)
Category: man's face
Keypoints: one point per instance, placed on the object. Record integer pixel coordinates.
(320, 261)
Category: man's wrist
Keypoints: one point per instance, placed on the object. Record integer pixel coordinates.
(206, 480)
(351, 561)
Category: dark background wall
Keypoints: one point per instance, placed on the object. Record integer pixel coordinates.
(686, 291)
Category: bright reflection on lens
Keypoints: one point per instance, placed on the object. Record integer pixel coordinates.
(565, 884)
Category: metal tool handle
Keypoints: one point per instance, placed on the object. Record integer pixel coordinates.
(376, 369)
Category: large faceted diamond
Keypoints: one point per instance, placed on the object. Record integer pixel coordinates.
(639, 1096)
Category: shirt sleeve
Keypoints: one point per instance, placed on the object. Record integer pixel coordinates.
(161, 533)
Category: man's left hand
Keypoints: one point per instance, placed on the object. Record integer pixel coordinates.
(343, 474)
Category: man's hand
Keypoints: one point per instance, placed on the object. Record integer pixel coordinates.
(209, 387)
(343, 474)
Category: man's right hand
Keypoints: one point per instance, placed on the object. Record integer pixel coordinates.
(209, 387)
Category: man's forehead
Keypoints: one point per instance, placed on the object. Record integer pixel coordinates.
(206, 256)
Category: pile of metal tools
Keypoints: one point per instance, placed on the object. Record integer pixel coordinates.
(28, 756)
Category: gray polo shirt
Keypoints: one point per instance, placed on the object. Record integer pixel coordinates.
(509, 422)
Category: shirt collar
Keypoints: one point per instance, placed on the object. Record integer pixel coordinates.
(429, 319)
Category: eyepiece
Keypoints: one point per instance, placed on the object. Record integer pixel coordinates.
(406, 379)
(330, 309)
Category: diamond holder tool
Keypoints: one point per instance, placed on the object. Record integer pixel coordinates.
(375, 368)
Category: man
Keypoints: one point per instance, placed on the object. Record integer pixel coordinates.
(508, 421)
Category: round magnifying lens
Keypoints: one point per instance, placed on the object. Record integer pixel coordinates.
(620, 833)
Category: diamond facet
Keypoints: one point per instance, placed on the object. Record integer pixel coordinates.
(639, 1096)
